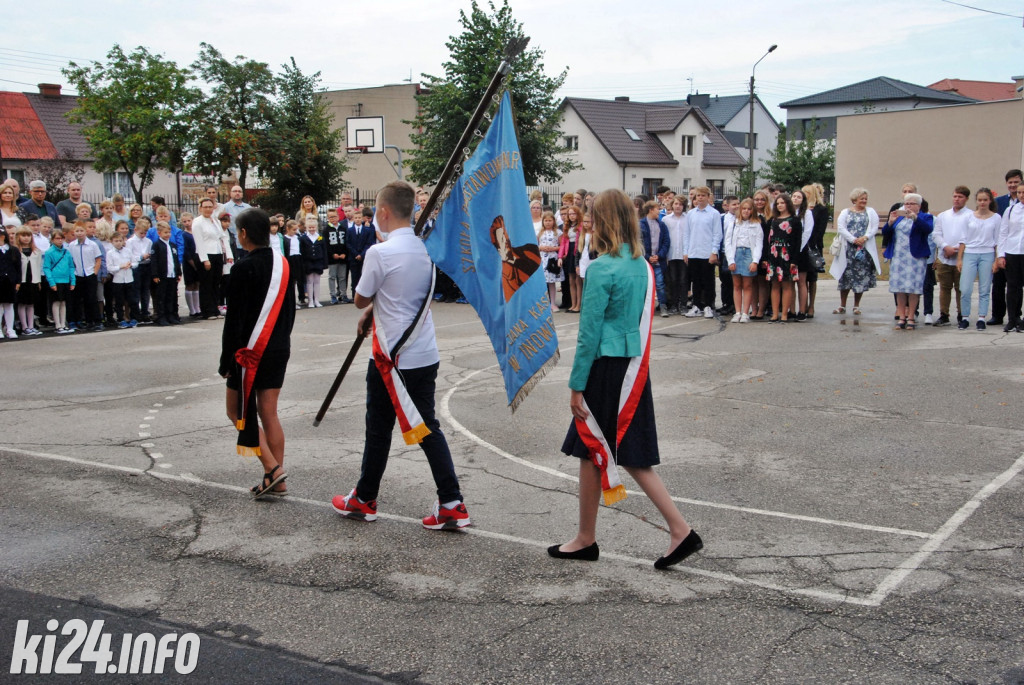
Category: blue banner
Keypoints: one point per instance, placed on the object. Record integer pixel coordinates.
(484, 240)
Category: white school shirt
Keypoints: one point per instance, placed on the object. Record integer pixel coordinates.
(117, 259)
(139, 247)
(676, 235)
(170, 259)
(84, 255)
(981, 235)
(949, 231)
(208, 237)
(397, 274)
(1011, 231)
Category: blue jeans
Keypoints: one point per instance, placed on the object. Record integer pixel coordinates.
(380, 424)
(976, 264)
(659, 284)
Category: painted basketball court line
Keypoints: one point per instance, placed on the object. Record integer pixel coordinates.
(933, 541)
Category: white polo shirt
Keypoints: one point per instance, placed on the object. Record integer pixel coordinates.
(396, 274)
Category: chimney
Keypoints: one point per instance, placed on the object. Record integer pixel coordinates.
(50, 90)
(622, 98)
(698, 100)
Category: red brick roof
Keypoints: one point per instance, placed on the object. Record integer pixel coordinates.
(22, 135)
(979, 90)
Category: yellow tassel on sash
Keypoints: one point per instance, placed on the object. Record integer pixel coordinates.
(254, 451)
(415, 435)
(240, 424)
(613, 495)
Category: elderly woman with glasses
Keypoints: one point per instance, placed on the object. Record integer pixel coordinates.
(907, 234)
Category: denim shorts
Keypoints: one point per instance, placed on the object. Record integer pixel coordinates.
(743, 259)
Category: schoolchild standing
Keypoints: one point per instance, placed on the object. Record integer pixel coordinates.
(314, 260)
(59, 269)
(31, 274)
(10, 280)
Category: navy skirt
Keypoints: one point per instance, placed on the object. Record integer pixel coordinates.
(639, 446)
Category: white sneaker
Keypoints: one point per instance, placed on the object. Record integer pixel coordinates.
(664, 311)
(11, 334)
(736, 318)
(745, 318)
(694, 311)
(709, 313)
(928, 321)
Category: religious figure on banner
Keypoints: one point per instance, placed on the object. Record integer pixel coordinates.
(517, 263)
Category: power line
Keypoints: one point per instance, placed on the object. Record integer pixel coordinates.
(46, 54)
(982, 9)
(20, 83)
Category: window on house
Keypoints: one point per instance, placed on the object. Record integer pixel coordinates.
(687, 150)
(572, 143)
(650, 186)
(746, 140)
(117, 182)
(717, 188)
(686, 185)
(18, 175)
(631, 133)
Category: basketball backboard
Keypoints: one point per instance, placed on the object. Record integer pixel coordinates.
(365, 132)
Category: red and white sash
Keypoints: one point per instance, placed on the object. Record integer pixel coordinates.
(409, 419)
(248, 358)
(633, 384)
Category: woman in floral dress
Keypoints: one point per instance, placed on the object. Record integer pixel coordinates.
(783, 252)
(856, 266)
(907, 232)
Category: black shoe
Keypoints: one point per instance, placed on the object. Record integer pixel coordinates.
(801, 317)
(585, 554)
(981, 324)
(162, 322)
(994, 322)
(943, 320)
(1009, 327)
(692, 543)
(962, 325)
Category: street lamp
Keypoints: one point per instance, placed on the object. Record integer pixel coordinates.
(750, 138)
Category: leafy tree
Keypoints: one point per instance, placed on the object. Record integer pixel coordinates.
(301, 154)
(134, 111)
(231, 124)
(58, 174)
(797, 163)
(449, 101)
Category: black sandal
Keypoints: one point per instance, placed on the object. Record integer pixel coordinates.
(265, 487)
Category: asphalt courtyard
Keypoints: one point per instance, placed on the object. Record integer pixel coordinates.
(858, 488)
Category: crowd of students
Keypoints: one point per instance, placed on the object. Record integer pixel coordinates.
(768, 250)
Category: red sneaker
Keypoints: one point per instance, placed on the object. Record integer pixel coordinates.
(447, 519)
(349, 506)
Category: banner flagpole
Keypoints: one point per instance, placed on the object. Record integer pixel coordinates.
(513, 49)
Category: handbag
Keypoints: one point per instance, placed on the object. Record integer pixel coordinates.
(837, 244)
(816, 258)
(553, 267)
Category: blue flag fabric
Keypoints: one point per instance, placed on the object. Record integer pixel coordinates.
(484, 240)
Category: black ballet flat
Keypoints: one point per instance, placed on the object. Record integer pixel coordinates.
(692, 543)
(586, 554)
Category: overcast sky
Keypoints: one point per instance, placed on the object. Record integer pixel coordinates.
(609, 48)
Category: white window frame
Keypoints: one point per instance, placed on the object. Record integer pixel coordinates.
(572, 143)
(687, 145)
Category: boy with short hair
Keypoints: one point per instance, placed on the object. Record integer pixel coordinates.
(88, 262)
(703, 242)
(337, 258)
(119, 265)
(166, 271)
(141, 250)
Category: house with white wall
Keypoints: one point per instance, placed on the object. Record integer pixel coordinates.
(731, 114)
(637, 146)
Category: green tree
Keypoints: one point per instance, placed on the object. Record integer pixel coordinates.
(799, 162)
(302, 145)
(449, 101)
(231, 124)
(134, 110)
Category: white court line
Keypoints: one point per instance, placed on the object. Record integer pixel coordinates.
(901, 572)
(447, 414)
(645, 563)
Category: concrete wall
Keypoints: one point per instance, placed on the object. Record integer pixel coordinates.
(395, 103)
(936, 148)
